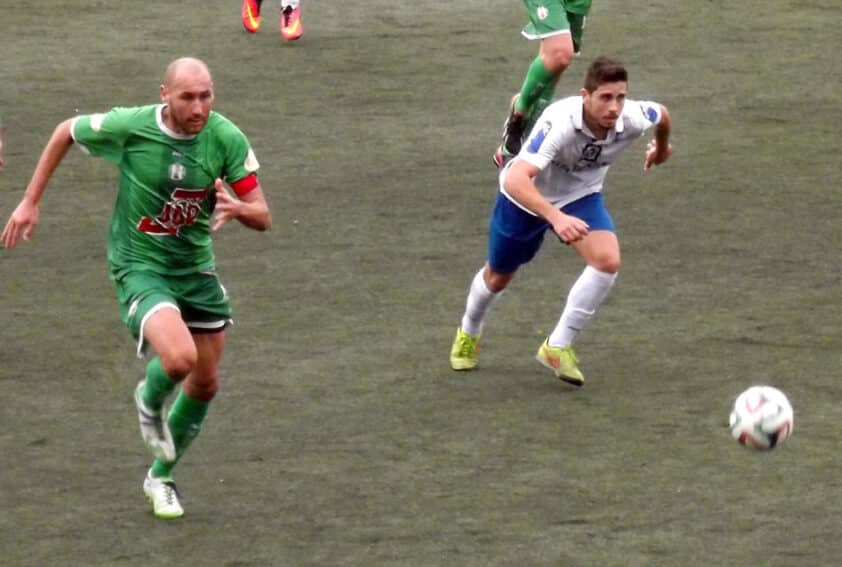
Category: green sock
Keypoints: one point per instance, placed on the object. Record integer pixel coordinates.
(185, 421)
(544, 100)
(538, 79)
(158, 385)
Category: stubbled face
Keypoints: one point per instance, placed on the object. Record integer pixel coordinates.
(604, 106)
(189, 98)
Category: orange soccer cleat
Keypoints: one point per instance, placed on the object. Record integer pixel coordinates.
(291, 28)
(251, 15)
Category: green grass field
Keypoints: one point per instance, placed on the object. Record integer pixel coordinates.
(341, 436)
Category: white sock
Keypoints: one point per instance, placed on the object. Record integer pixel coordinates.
(480, 300)
(585, 297)
(289, 3)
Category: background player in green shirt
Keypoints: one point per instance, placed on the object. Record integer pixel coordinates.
(173, 158)
(559, 24)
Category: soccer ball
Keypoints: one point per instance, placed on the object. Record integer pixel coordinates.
(761, 418)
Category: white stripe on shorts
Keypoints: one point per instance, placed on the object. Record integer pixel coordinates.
(208, 325)
(152, 311)
(532, 36)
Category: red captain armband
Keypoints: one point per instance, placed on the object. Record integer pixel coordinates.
(245, 185)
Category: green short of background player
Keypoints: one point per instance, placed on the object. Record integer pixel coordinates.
(173, 158)
(559, 24)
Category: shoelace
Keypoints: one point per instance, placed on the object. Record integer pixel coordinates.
(465, 347)
(170, 492)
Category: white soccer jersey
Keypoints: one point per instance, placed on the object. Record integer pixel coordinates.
(572, 161)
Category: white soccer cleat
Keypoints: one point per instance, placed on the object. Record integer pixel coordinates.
(163, 495)
(154, 429)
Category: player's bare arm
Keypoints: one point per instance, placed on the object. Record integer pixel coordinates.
(520, 186)
(659, 148)
(24, 219)
(251, 209)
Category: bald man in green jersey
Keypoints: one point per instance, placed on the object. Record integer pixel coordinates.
(559, 24)
(174, 160)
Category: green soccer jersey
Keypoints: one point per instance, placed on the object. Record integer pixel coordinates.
(161, 220)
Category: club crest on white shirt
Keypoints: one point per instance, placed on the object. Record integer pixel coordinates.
(591, 152)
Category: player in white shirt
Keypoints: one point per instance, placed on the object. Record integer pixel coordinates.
(555, 183)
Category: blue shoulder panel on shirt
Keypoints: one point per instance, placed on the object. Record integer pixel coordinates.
(650, 113)
(538, 138)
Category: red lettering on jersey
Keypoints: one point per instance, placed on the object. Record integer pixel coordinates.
(181, 210)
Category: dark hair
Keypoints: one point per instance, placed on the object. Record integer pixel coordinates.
(604, 70)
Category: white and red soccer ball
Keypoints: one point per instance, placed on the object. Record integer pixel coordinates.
(762, 418)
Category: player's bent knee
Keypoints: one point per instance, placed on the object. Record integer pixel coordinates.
(497, 282)
(557, 62)
(557, 55)
(609, 265)
(179, 363)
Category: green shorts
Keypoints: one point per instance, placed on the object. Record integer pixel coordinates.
(200, 298)
(553, 17)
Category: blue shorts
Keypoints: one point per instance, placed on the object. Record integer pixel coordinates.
(515, 236)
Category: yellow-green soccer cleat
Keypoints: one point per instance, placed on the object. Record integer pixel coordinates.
(464, 354)
(562, 361)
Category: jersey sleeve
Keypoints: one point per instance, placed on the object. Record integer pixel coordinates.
(104, 135)
(543, 143)
(642, 114)
(239, 162)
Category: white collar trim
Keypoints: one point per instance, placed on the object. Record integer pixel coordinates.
(159, 118)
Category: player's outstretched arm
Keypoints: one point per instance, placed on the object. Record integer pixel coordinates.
(24, 219)
(251, 209)
(659, 149)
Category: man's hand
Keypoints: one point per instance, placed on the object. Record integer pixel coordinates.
(569, 229)
(227, 207)
(656, 154)
(23, 221)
